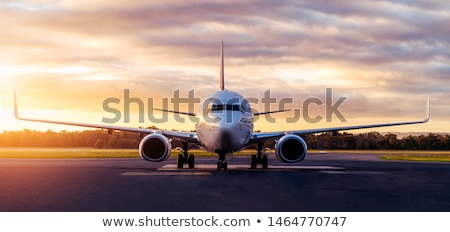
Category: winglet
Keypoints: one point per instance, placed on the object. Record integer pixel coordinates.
(16, 112)
(427, 112)
(222, 81)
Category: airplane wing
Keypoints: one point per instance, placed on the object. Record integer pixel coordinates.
(257, 137)
(184, 136)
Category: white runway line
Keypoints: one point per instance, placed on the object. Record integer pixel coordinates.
(310, 167)
(354, 172)
(207, 169)
(165, 173)
(244, 167)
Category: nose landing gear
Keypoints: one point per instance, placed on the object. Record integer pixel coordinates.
(222, 163)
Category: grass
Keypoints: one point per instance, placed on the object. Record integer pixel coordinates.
(431, 158)
(89, 153)
(67, 153)
(384, 152)
(435, 156)
(406, 155)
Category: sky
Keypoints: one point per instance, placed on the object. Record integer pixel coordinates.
(66, 58)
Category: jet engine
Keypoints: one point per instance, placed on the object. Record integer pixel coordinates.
(290, 148)
(155, 147)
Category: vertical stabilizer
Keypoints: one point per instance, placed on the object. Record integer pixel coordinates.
(222, 81)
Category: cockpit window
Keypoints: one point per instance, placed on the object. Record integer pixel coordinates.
(245, 106)
(220, 107)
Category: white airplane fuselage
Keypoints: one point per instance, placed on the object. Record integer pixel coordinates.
(226, 122)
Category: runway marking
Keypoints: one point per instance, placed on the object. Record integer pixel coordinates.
(246, 167)
(354, 172)
(166, 173)
(206, 169)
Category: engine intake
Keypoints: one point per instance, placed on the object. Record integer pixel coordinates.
(155, 147)
(290, 148)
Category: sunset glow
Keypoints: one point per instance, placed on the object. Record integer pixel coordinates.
(64, 58)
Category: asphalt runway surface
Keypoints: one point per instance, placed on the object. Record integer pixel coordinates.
(321, 183)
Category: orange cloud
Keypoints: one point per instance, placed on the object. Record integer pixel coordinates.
(384, 56)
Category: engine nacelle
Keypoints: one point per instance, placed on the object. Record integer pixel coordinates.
(155, 147)
(290, 148)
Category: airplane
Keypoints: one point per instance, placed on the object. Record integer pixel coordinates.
(226, 126)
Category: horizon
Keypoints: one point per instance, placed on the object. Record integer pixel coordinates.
(102, 139)
(354, 132)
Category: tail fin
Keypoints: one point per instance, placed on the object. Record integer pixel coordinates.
(222, 80)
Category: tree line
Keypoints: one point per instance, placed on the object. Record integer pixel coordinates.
(123, 139)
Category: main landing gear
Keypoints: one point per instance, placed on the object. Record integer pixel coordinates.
(185, 158)
(259, 159)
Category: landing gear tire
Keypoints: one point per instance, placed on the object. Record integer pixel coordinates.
(253, 162)
(180, 161)
(264, 162)
(222, 165)
(191, 161)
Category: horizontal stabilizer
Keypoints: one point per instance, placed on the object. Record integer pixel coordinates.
(175, 112)
(270, 112)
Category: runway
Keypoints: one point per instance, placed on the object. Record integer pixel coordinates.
(321, 183)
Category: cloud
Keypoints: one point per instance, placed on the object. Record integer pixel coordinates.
(369, 51)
